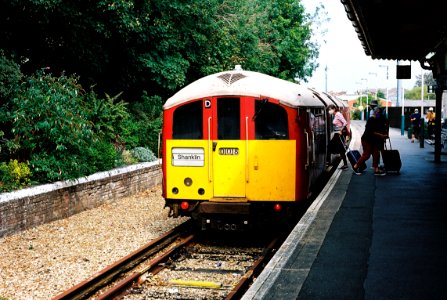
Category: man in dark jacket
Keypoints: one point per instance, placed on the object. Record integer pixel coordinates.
(415, 120)
(372, 141)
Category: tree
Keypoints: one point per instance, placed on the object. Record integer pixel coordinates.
(428, 79)
(157, 46)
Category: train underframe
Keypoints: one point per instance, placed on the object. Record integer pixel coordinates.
(237, 216)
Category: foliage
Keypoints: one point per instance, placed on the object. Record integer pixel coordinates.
(128, 158)
(141, 50)
(428, 79)
(143, 154)
(62, 135)
(103, 156)
(10, 76)
(45, 112)
(106, 116)
(143, 128)
(14, 175)
(131, 45)
(415, 94)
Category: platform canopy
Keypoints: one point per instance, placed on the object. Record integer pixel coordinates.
(398, 29)
(405, 30)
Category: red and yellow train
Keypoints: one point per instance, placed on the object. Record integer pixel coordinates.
(240, 147)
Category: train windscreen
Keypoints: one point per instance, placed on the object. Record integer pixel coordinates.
(270, 121)
(188, 121)
(228, 116)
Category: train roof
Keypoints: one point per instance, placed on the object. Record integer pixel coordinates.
(339, 102)
(245, 83)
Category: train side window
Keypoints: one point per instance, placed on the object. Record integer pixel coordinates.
(188, 121)
(270, 121)
(228, 119)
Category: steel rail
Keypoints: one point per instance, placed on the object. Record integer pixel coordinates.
(92, 284)
(256, 268)
(153, 267)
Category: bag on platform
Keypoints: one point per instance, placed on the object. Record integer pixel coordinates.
(391, 159)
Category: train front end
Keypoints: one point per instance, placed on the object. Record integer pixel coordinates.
(230, 155)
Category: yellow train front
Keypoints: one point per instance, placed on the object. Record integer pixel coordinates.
(241, 147)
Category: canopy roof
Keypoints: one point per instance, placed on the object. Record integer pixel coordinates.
(398, 29)
(245, 83)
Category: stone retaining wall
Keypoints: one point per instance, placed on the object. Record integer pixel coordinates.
(41, 204)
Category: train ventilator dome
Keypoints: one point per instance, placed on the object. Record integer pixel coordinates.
(245, 83)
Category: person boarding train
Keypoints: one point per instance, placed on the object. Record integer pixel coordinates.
(337, 141)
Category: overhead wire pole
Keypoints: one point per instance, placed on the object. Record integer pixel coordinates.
(422, 135)
(398, 101)
(377, 89)
(366, 92)
(386, 107)
(359, 83)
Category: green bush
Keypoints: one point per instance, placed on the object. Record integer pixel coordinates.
(10, 76)
(107, 115)
(66, 133)
(143, 128)
(128, 158)
(143, 154)
(103, 156)
(50, 126)
(14, 175)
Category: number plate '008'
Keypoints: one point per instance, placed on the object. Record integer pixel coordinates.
(228, 151)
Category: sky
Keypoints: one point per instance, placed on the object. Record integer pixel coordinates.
(348, 67)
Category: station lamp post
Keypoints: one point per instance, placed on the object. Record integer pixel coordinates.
(377, 89)
(360, 92)
(387, 67)
(366, 107)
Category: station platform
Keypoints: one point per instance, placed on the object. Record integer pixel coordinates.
(368, 237)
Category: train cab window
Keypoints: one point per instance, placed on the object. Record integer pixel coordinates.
(228, 119)
(188, 122)
(270, 121)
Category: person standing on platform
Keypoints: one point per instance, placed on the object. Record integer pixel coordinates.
(415, 119)
(373, 106)
(431, 122)
(372, 142)
(337, 141)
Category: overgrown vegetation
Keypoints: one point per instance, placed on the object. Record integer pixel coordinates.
(55, 130)
(128, 57)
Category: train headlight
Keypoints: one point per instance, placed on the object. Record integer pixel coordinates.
(201, 191)
(277, 207)
(184, 205)
(187, 181)
(175, 191)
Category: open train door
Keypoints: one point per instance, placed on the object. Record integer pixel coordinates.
(313, 121)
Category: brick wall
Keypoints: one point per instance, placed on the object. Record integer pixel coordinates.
(41, 204)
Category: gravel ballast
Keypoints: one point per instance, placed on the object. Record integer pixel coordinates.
(44, 261)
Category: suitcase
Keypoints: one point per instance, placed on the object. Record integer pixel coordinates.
(391, 159)
(353, 156)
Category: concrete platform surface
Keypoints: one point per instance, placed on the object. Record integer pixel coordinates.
(368, 237)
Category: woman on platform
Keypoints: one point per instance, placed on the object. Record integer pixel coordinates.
(337, 141)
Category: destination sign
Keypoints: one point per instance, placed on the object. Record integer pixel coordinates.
(188, 157)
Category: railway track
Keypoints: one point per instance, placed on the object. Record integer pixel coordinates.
(181, 264)
(105, 277)
(206, 268)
